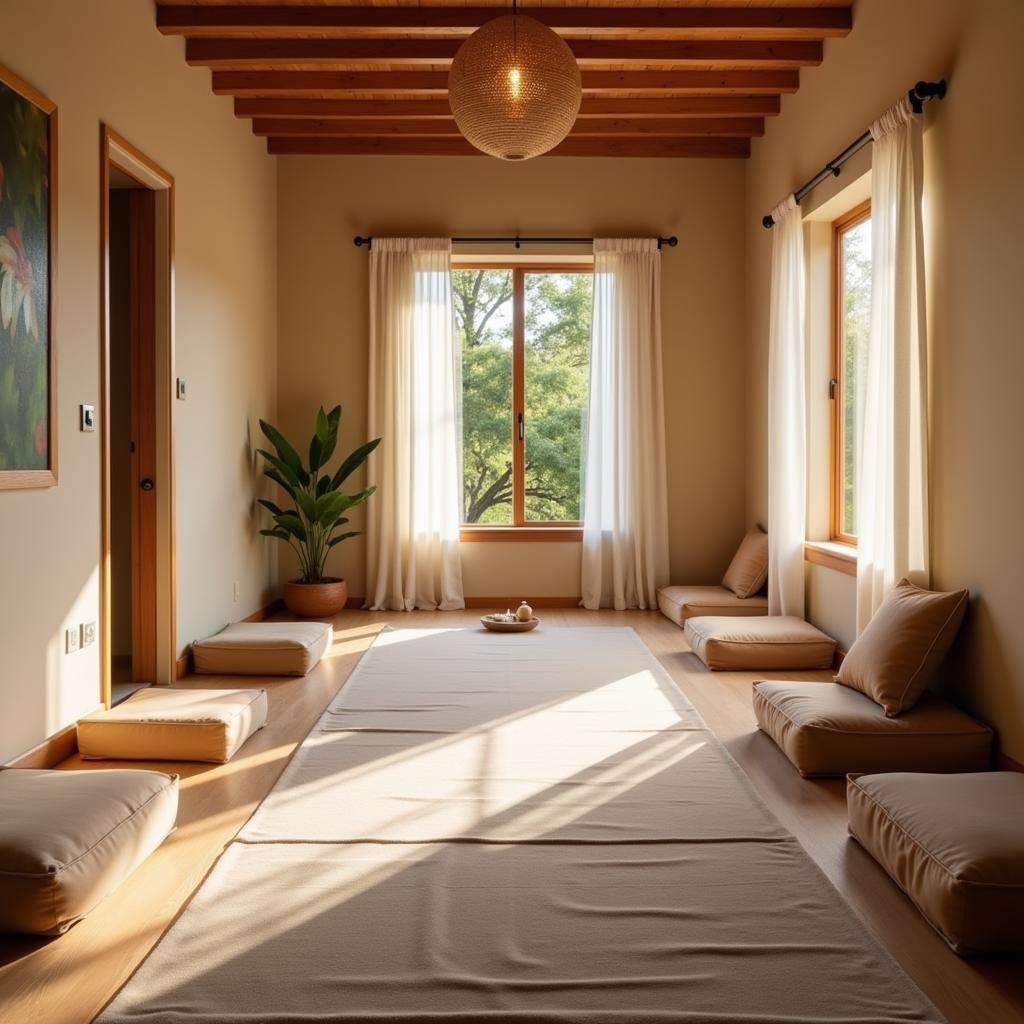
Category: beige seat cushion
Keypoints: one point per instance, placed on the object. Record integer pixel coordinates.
(765, 642)
(161, 724)
(749, 566)
(263, 649)
(955, 846)
(900, 650)
(68, 839)
(828, 729)
(682, 603)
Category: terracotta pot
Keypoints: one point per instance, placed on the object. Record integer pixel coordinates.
(316, 600)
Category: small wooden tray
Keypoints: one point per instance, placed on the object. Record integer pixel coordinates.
(498, 626)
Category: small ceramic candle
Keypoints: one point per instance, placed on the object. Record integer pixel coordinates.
(524, 612)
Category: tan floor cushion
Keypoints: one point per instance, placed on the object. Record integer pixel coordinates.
(682, 603)
(68, 840)
(954, 845)
(829, 729)
(161, 724)
(263, 649)
(762, 642)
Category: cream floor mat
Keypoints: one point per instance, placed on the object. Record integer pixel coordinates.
(628, 872)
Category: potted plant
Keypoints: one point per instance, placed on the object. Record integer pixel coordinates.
(317, 511)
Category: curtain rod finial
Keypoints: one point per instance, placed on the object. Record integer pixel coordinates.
(359, 241)
(768, 220)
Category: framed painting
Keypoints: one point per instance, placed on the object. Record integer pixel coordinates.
(28, 249)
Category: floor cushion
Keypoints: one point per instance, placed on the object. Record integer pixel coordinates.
(682, 603)
(68, 839)
(829, 729)
(163, 724)
(748, 569)
(954, 845)
(263, 649)
(762, 642)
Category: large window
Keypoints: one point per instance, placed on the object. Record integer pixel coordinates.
(852, 329)
(525, 334)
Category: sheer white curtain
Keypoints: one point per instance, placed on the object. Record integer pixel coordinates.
(413, 520)
(892, 468)
(625, 517)
(787, 426)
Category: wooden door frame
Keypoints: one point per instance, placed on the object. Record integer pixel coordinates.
(115, 150)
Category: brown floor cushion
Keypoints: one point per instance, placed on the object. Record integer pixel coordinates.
(682, 603)
(68, 839)
(954, 845)
(829, 729)
(763, 642)
(164, 724)
(263, 649)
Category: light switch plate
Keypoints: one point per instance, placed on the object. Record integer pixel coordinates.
(71, 640)
(87, 418)
(88, 633)
(181, 389)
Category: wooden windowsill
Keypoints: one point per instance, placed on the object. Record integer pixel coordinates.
(832, 555)
(475, 534)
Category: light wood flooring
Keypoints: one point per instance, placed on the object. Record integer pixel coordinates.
(67, 980)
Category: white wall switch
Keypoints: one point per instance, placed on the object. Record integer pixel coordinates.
(181, 389)
(87, 418)
(71, 640)
(88, 633)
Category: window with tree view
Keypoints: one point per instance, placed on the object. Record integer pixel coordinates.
(852, 297)
(525, 334)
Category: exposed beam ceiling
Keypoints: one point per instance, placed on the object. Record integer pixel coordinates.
(684, 78)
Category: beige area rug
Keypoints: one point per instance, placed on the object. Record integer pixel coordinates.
(534, 828)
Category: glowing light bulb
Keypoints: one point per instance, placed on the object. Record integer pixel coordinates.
(514, 82)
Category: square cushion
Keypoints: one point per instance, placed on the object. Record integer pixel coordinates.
(682, 603)
(900, 651)
(162, 724)
(749, 566)
(68, 839)
(828, 729)
(263, 649)
(764, 642)
(954, 845)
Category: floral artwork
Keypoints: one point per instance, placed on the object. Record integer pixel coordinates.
(27, 126)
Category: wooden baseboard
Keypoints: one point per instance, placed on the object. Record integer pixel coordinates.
(496, 603)
(54, 749)
(1007, 764)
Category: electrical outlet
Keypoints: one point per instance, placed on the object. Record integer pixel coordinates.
(71, 640)
(237, 591)
(88, 633)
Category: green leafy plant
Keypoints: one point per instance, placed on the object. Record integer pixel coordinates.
(318, 505)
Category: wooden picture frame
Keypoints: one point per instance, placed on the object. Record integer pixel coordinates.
(28, 285)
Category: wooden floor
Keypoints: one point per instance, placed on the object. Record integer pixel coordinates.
(67, 980)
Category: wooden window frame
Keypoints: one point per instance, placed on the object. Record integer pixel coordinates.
(860, 213)
(522, 528)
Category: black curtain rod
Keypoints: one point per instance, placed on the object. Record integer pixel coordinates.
(518, 240)
(917, 96)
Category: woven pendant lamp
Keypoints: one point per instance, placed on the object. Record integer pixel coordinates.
(514, 88)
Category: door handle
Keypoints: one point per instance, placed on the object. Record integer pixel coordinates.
(147, 484)
(522, 428)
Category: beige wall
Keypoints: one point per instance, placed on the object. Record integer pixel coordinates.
(105, 61)
(322, 357)
(974, 210)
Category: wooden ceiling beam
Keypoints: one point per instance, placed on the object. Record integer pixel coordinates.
(725, 127)
(314, 54)
(322, 21)
(624, 147)
(684, 106)
(327, 84)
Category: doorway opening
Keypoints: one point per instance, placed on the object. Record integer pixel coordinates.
(137, 603)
